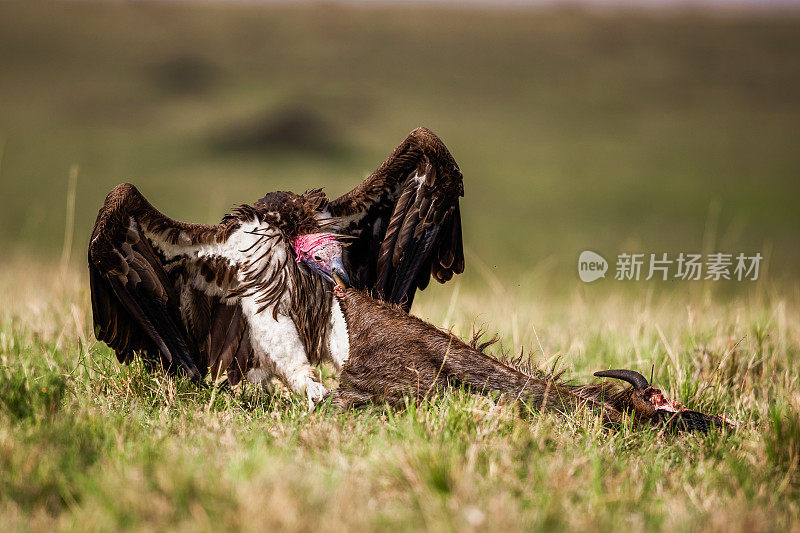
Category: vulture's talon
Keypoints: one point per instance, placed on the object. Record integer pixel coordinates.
(315, 392)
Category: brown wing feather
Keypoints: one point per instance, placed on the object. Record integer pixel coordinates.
(242, 360)
(112, 324)
(395, 223)
(137, 302)
(231, 337)
(404, 220)
(222, 316)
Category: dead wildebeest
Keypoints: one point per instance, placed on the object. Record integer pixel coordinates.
(394, 355)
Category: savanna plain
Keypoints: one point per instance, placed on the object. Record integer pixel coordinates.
(611, 130)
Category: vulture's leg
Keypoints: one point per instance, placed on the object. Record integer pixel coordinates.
(259, 376)
(277, 344)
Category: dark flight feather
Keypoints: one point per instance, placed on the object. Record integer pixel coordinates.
(396, 217)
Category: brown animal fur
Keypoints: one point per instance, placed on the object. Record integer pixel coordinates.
(394, 355)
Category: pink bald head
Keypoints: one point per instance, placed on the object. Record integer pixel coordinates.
(322, 253)
(306, 246)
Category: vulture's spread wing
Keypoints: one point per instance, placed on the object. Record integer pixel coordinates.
(404, 221)
(159, 287)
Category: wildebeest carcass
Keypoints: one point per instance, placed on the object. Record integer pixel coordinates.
(394, 356)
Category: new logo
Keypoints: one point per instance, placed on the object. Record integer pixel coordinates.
(591, 266)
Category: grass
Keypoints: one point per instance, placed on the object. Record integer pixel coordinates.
(88, 444)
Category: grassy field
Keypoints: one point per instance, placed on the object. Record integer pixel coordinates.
(86, 444)
(607, 130)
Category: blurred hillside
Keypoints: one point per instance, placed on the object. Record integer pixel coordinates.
(575, 130)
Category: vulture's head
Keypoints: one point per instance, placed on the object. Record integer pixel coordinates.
(322, 252)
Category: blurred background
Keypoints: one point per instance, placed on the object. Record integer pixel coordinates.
(609, 128)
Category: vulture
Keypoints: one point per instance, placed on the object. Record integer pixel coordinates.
(252, 296)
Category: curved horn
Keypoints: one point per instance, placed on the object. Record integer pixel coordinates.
(638, 381)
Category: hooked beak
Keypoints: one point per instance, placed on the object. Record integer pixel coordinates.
(333, 271)
(338, 273)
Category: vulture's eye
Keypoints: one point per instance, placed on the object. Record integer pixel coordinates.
(317, 258)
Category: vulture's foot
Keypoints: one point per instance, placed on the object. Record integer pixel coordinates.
(315, 392)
